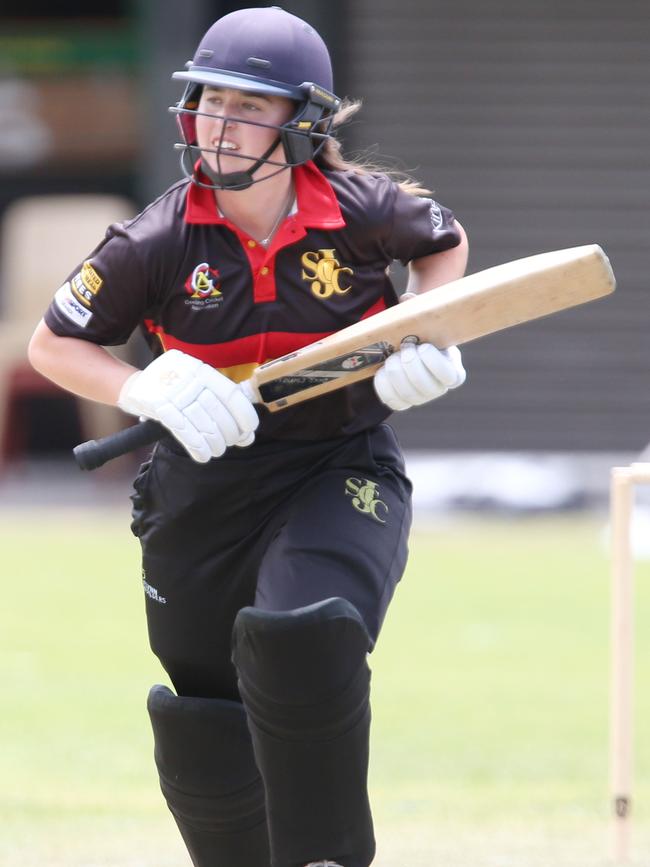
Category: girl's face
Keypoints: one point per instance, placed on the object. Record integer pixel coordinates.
(243, 139)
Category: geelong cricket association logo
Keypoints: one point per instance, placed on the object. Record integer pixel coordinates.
(203, 286)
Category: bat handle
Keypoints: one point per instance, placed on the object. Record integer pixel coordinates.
(95, 453)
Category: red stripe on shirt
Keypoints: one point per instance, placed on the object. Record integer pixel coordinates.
(254, 349)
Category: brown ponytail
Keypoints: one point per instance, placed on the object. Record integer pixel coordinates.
(331, 155)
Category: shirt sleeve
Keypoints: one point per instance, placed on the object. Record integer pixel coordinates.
(420, 226)
(106, 297)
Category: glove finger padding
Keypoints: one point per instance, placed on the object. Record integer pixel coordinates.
(446, 364)
(183, 394)
(219, 417)
(245, 440)
(417, 374)
(232, 397)
(183, 430)
(422, 384)
(202, 419)
(386, 392)
(411, 382)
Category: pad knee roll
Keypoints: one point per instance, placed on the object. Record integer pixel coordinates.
(290, 663)
(209, 778)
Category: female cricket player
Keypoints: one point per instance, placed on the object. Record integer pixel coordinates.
(271, 543)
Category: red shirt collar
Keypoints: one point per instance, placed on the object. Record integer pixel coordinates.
(318, 207)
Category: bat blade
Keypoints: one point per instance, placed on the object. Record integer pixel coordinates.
(453, 314)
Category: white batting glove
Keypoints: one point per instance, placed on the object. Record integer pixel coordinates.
(202, 408)
(418, 373)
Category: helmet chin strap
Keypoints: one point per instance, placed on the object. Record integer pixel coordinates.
(237, 180)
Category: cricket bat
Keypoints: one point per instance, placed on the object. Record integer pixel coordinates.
(453, 314)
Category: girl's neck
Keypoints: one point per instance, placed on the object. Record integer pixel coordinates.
(260, 209)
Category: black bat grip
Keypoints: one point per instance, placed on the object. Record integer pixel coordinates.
(95, 453)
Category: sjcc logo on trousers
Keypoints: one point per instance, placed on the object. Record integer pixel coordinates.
(365, 498)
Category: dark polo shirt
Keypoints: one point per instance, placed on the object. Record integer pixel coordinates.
(193, 281)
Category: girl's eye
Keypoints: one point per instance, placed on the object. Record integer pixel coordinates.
(251, 106)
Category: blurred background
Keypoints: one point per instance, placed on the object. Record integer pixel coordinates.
(529, 118)
(524, 118)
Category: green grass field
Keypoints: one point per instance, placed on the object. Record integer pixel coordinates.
(490, 687)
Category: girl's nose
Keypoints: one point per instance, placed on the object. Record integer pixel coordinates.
(227, 118)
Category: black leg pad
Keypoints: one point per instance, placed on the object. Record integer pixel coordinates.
(209, 778)
(305, 683)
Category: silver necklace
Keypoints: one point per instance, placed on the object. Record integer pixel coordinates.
(283, 213)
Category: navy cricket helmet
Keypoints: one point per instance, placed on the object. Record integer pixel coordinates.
(266, 51)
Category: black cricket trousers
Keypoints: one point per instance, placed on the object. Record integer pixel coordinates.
(276, 526)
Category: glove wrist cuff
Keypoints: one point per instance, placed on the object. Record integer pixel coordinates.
(124, 400)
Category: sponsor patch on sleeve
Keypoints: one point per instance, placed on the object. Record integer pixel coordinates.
(90, 278)
(70, 307)
(86, 284)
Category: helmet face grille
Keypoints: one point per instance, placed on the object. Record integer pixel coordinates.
(302, 137)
